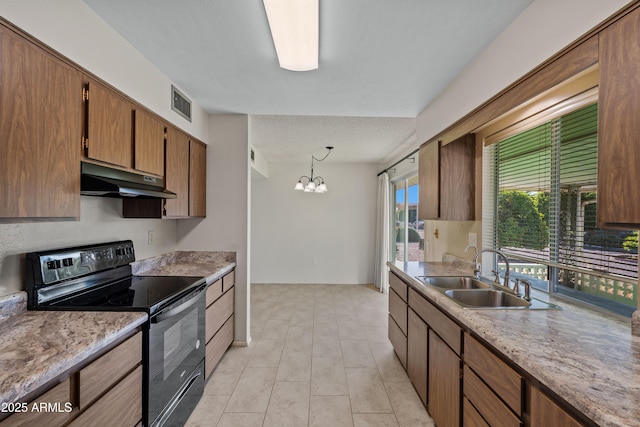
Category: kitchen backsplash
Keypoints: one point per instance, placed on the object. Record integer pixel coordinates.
(100, 221)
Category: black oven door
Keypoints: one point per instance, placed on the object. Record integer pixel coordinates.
(176, 355)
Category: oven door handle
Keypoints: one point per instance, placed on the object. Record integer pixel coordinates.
(179, 309)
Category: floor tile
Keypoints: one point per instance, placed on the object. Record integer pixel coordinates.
(208, 411)
(295, 365)
(320, 356)
(253, 390)
(275, 329)
(367, 392)
(241, 420)
(266, 354)
(289, 405)
(328, 377)
(356, 354)
(375, 420)
(326, 346)
(407, 405)
(334, 411)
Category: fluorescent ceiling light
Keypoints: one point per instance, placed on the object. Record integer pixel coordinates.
(294, 28)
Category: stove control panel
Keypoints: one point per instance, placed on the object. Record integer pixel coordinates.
(74, 262)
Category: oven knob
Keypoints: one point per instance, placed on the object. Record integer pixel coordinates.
(197, 344)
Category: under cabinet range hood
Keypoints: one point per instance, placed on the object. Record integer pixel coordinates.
(107, 182)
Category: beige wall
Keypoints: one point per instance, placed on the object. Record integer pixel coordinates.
(227, 225)
(100, 221)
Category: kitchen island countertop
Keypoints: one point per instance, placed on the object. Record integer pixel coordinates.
(590, 360)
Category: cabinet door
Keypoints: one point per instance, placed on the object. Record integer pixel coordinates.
(40, 130)
(619, 121)
(108, 127)
(417, 348)
(197, 179)
(444, 383)
(429, 181)
(457, 179)
(148, 143)
(177, 173)
(545, 413)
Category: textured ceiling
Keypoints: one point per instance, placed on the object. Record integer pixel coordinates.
(378, 58)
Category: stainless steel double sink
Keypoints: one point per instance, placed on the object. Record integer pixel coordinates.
(470, 292)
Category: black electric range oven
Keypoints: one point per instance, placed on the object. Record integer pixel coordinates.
(98, 278)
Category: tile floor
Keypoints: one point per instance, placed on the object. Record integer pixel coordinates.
(320, 356)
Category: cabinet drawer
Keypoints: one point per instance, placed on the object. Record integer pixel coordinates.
(101, 374)
(398, 310)
(398, 285)
(214, 291)
(486, 402)
(218, 345)
(399, 341)
(218, 313)
(437, 320)
(122, 403)
(471, 417)
(546, 413)
(59, 394)
(503, 380)
(228, 281)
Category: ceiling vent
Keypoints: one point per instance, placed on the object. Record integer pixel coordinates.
(180, 103)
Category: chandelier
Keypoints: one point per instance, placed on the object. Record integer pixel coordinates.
(313, 184)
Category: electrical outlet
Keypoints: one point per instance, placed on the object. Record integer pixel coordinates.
(473, 239)
(151, 237)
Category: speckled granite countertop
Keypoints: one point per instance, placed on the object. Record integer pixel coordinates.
(38, 346)
(210, 265)
(590, 360)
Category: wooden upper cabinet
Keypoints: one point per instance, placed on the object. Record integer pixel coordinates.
(177, 173)
(148, 143)
(619, 124)
(40, 130)
(197, 179)
(108, 126)
(429, 181)
(447, 180)
(457, 179)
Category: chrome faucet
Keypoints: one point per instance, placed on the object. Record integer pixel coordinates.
(476, 270)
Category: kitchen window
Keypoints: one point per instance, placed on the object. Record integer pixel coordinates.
(539, 208)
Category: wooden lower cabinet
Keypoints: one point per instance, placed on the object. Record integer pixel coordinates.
(398, 310)
(444, 383)
(219, 320)
(108, 388)
(123, 403)
(470, 416)
(397, 327)
(417, 353)
(461, 380)
(398, 340)
(544, 412)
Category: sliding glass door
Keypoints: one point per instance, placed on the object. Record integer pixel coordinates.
(407, 230)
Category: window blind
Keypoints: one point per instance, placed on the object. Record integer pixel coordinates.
(545, 198)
